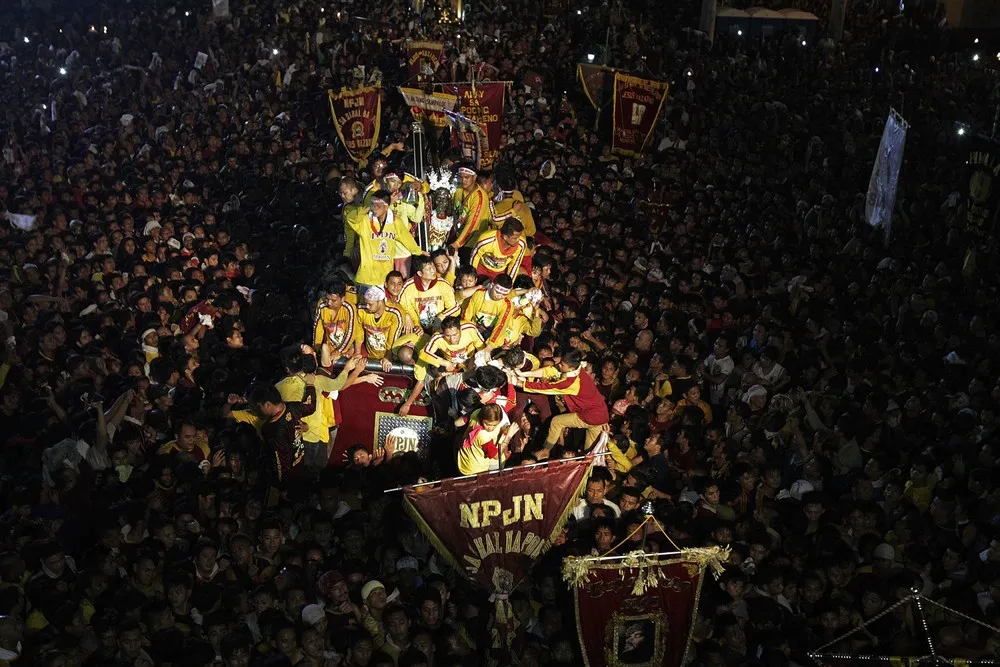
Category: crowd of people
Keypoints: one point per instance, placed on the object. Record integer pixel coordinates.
(763, 369)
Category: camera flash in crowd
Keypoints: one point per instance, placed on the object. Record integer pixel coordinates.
(62, 71)
(26, 40)
(975, 41)
(876, 69)
(187, 13)
(590, 57)
(274, 52)
(961, 131)
(975, 57)
(579, 12)
(739, 33)
(105, 30)
(803, 42)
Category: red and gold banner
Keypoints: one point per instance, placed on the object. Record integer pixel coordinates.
(493, 527)
(595, 79)
(637, 610)
(483, 103)
(637, 106)
(357, 117)
(423, 59)
(429, 106)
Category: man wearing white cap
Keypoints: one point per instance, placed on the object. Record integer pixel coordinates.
(381, 325)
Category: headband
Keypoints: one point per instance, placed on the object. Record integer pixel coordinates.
(500, 290)
(146, 333)
(465, 171)
(379, 200)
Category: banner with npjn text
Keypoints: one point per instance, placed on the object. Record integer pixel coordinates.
(483, 103)
(493, 527)
(637, 106)
(357, 117)
(423, 59)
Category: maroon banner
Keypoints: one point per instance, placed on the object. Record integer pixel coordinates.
(637, 106)
(483, 103)
(422, 60)
(493, 527)
(638, 615)
(357, 117)
(595, 79)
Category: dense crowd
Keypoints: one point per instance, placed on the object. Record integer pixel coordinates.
(767, 371)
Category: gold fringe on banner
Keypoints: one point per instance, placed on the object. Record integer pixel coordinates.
(576, 569)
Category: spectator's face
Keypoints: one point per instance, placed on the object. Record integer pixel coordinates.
(285, 641)
(430, 613)
(361, 652)
(130, 643)
(377, 599)
(398, 626)
(145, 572)
(628, 503)
(604, 538)
(270, 541)
(595, 492)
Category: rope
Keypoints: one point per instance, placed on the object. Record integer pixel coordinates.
(861, 627)
(961, 615)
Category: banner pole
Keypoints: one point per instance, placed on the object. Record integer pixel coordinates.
(489, 472)
(599, 559)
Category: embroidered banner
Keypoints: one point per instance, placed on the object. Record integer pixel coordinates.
(429, 106)
(983, 193)
(423, 59)
(468, 136)
(494, 527)
(637, 610)
(357, 117)
(637, 104)
(595, 79)
(483, 103)
(885, 174)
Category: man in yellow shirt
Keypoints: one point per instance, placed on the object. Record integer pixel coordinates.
(500, 252)
(381, 325)
(490, 307)
(506, 204)
(336, 322)
(453, 348)
(311, 387)
(425, 299)
(382, 236)
(472, 212)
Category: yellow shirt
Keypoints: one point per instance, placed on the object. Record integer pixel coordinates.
(509, 332)
(490, 258)
(438, 350)
(482, 310)
(293, 389)
(380, 333)
(503, 210)
(379, 244)
(338, 328)
(472, 215)
(480, 448)
(416, 342)
(428, 306)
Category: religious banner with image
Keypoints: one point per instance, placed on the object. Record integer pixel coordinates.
(357, 117)
(493, 527)
(638, 610)
(885, 174)
(429, 106)
(422, 60)
(637, 105)
(983, 193)
(483, 103)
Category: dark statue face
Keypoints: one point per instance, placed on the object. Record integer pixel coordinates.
(443, 202)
